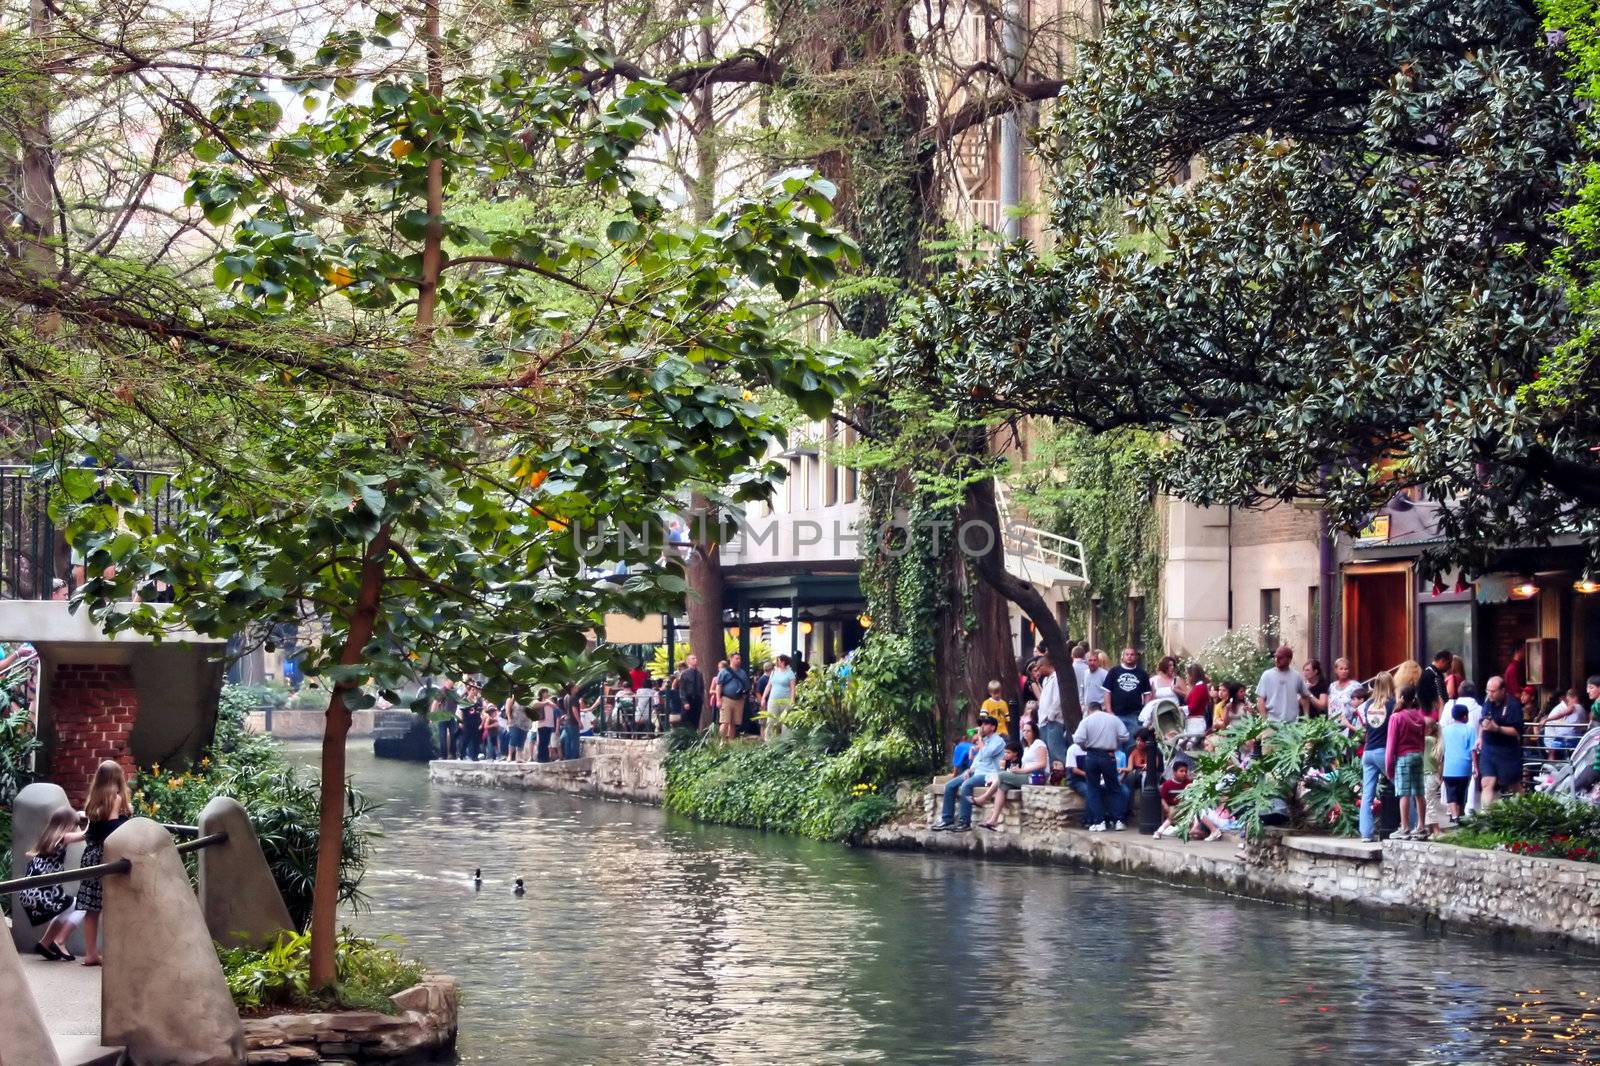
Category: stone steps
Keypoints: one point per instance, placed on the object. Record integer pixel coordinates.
(86, 1051)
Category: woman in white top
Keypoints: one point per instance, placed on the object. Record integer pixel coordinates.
(1035, 760)
(1165, 684)
(1341, 704)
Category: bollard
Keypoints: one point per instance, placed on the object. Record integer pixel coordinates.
(24, 1041)
(29, 814)
(238, 896)
(162, 992)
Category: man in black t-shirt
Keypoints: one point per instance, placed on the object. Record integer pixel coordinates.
(1500, 755)
(1129, 690)
(1431, 690)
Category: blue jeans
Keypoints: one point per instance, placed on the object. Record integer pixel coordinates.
(1103, 791)
(1131, 723)
(1054, 735)
(1371, 773)
(543, 751)
(447, 732)
(569, 743)
(962, 786)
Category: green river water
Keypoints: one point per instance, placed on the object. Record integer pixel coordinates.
(645, 938)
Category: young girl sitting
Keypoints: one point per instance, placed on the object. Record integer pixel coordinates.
(110, 804)
(52, 905)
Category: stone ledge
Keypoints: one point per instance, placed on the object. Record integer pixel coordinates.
(425, 1025)
(1335, 847)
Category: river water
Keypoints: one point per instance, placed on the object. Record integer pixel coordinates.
(645, 938)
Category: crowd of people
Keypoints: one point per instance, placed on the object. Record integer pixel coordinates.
(1423, 733)
(549, 726)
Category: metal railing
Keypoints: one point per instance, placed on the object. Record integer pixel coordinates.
(35, 562)
(106, 869)
(1032, 544)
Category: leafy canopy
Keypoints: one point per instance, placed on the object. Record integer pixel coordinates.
(1347, 300)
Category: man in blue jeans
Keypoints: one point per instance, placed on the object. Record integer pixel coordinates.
(1100, 734)
(990, 749)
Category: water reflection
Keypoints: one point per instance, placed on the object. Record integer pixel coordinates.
(647, 938)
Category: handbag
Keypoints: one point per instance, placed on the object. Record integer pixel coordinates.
(43, 904)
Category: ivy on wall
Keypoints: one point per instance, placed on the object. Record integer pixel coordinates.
(1097, 489)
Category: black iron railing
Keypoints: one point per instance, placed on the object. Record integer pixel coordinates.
(35, 562)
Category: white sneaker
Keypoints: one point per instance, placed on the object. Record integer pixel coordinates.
(1119, 826)
(1101, 828)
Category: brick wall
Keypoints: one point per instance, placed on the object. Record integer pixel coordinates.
(1274, 524)
(93, 708)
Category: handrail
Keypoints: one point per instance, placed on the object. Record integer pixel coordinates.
(62, 877)
(202, 842)
(104, 869)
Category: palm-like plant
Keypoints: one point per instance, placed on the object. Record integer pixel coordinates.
(1306, 768)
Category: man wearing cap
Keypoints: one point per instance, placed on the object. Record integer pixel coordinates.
(1101, 734)
(990, 749)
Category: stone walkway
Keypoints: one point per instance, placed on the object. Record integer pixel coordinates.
(68, 996)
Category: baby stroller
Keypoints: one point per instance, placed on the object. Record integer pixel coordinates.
(1575, 775)
(1167, 717)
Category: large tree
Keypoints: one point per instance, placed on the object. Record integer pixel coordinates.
(419, 413)
(1348, 297)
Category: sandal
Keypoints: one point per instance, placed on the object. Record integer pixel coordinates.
(991, 826)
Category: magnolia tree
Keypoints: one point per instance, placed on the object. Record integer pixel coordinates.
(444, 403)
(1311, 240)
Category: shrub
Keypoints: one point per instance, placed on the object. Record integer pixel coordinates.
(17, 746)
(279, 976)
(1240, 654)
(1537, 823)
(779, 785)
(283, 802)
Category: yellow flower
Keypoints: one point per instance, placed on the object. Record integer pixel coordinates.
(172, 782)
(154, 807)
(205, 760)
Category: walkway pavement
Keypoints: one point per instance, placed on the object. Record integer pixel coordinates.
(69, 998)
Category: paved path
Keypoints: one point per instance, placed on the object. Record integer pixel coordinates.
(69, 998)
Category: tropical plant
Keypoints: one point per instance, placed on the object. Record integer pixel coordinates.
(18, 744)
(760, 652)
(281, 799)
(367, 974)
(1303, 771)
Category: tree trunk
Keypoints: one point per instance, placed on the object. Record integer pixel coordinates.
(704, 574)
(980, 508)
(330, 838)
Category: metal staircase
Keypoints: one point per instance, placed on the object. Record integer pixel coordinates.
(1048, 560)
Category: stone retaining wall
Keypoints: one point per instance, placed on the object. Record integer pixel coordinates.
(608, 766)
(423, 1029)
(1539, 902)
(306, 724)
(1543, 902)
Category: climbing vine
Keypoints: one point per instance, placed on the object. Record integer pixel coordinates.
(1097, 489)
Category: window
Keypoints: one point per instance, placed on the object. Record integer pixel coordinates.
(1448, 627)
(830, 469)
(1272, 616)
(1314, 626)
(1136, 623)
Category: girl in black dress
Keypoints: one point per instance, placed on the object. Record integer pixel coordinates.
(110, 804)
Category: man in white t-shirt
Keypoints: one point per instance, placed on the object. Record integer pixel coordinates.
(1281, 688)
(1093, 687)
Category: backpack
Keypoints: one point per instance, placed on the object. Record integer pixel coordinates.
(43, 904)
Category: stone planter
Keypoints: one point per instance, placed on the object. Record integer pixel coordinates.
(424, 1030)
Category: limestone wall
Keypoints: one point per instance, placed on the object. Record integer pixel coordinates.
(608, 766)
(423, 1027)
(305, 725)
(1542, 902)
